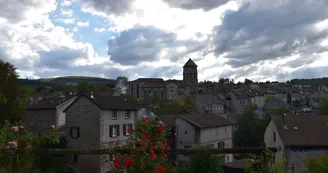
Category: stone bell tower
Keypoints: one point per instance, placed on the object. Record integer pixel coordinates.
(190, 76)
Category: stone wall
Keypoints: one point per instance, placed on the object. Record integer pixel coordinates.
(85, 115)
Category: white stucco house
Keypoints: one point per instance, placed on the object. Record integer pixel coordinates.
(196, 129)
(295, 137)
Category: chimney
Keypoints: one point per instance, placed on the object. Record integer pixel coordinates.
(283, 119)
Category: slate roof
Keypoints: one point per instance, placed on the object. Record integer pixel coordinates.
(190, 63)
(275, 104)
(205, 121)
(108, 102)
(241, 95)
(48, 103)
(302, 131)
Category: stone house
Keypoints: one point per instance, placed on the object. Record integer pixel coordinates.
(295, 137)
(91, 123)
(240, 99)
(196, 129)
(41, 115)
(175, 88)
(210, 104)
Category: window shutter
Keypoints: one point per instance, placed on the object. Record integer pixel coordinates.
(78, 132)
(110, 131)
(118, 130)
(124, 129)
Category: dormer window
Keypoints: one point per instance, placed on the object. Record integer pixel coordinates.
(114, 114)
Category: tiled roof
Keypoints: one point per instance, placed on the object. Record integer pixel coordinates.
(153, 85)
(205, 121)
(241, 95)
(108, 102)
(149, 80)
(168, 120)
(302, 130)
(275, 104)
(190, 63)
(48, 103)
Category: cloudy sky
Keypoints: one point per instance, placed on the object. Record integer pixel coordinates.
(258, 39)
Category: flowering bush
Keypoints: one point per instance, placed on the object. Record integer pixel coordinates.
(13, 138)
(148, 149)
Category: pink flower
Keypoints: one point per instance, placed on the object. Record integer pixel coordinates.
(22, 127)
(29, 146)
(12, 144)
(14, 128)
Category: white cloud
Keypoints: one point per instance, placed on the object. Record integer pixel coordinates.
(82, 24)
(67, 12)
(65, 3)
(66, 21)
(100, 29)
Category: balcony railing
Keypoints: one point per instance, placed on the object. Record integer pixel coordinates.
(202, 151)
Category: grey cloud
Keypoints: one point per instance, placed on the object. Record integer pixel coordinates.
(164, 71)
(15, 10)
(206, 5)
(252, 33)
(116, 7)
(144, 44)
(59, 57)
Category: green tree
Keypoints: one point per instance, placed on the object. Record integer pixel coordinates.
(250, 129)
(316, 164)
(83, 87)
(204, 163)
(247, 81)
(323, 108)
(10, 102)
(99, 88)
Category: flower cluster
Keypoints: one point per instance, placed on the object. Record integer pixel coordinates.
(148, 140)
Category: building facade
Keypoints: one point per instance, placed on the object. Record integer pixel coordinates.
(91, 123)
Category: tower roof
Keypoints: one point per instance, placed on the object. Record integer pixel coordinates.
(190, 63)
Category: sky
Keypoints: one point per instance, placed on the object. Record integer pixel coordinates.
(256, 39)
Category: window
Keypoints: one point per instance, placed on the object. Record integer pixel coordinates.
(274, 136)
(127, 114)
(114, 114)
(187, 146)
(227, 158)
(225, 129)
(186, 132)
(125, 129)
(75, 158)
(75, 132)
(221, 144)
(114, 130)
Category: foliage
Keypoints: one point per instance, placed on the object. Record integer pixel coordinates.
(269, 98)
(317, 164)
(148, 147)
(314, 81)
(10, 104)
(83, 87)
(16, 137)
(204, 163)
(247, 81)
(265, 164)
(323, 108)
(250, 129)
(99, 88)
(174, 106)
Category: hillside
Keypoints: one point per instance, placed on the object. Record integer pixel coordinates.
(66, 80)
(313, 81)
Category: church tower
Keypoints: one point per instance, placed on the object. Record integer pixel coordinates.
(190, 76)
